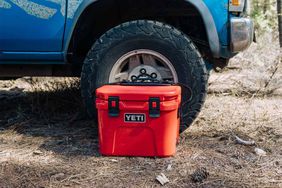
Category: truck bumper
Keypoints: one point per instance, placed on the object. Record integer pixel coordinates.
(242, 33)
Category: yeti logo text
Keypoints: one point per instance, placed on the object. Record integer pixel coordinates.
(135, 118)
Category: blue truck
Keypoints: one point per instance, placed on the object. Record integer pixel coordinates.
(107, 41)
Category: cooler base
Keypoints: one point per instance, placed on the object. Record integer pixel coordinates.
(137, 142)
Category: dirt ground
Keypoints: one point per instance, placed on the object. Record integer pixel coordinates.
(45, 140)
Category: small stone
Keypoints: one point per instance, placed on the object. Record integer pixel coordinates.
(260, 152)
(169, 167)
(37, 152)
(114, 160)
(162, 179)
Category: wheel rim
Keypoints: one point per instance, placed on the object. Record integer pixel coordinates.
(137, 62)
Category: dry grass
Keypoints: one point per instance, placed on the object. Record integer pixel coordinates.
(257, 71)
(45, 141)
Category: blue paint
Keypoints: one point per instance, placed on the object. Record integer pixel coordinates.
(73, 15)
(219, 11)
(40, 29)
(32, 56)
(217, 8)
(30, 26)
(35, 62)
(209, 66)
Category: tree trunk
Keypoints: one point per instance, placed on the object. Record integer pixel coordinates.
(279, 11)
(265, 6)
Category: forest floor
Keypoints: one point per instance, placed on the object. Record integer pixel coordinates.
(46, 142)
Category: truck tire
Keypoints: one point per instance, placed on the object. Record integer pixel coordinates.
(156, 47)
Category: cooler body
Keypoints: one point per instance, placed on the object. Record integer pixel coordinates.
(138, 120)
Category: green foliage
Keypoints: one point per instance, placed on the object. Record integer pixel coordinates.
(264, 13)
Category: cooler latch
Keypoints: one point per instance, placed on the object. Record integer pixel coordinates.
(154, 107)
(113, 105)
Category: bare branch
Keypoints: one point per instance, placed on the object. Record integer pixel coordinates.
(244, 142)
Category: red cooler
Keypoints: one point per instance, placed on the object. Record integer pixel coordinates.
(138, 120)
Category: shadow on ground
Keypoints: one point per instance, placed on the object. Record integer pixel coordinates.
(56, 116)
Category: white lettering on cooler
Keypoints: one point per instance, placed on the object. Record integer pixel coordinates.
(139, 118)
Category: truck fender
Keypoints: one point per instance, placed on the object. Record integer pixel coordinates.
(210, 26)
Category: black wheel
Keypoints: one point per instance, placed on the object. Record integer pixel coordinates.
(148, 48)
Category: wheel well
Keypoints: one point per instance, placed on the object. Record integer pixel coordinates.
(101, 16)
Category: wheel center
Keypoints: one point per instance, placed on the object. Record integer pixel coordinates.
(145, 72)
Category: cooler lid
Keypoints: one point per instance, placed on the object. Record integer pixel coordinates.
(138, 93)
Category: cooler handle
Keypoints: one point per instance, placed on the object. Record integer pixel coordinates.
(154, 107)
(113, 106)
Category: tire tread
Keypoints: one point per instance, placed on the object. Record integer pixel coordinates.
(149, 28)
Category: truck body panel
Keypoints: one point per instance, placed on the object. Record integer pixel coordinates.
(31, 26)
(41, 30)
(219, 11)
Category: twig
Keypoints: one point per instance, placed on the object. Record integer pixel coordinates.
(244, 142)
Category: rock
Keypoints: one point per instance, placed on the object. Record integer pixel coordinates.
(169, 167)
(114, 160)
(37, 152)
(162, 179)
(260, 152)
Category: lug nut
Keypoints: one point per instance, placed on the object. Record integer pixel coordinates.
(143, 71)
(154, 75)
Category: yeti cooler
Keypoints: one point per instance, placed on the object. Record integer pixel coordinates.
(138, 120)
